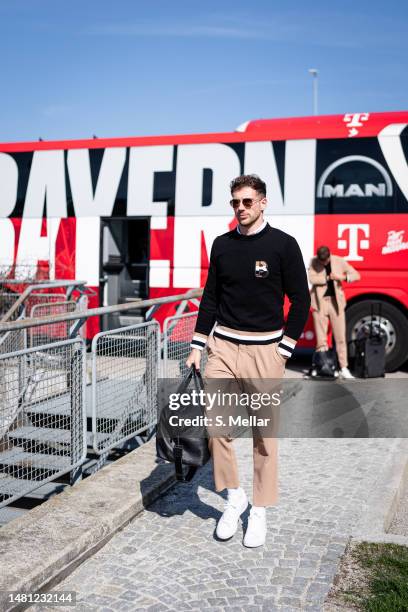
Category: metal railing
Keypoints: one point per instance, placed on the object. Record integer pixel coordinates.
(125, 367)
(21, 306)
(15, 310)
(42, 416)
(53, 331)
(96, 312)
(20, 339)
(177, 333)
(45, 402)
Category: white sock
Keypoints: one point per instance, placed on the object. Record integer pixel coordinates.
(259, 509)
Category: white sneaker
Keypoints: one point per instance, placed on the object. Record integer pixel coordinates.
(345, 373)
(236, 504)
(256, 532)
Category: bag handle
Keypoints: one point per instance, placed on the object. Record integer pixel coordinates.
(186, 381)
(191, 374)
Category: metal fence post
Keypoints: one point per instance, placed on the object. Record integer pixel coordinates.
(152, 368)
(75, 378)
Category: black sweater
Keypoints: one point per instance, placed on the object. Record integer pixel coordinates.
(244, 294)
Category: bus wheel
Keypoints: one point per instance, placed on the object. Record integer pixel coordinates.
(393, 322)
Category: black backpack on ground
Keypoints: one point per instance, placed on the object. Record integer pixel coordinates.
(324, 364)
(185, 446)
(369, 349)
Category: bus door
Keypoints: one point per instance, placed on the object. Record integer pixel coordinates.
(125, 255)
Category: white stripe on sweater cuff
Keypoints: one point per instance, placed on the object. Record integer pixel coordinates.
(286, 348)
(198, 342)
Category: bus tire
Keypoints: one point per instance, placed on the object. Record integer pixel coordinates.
(392, 321)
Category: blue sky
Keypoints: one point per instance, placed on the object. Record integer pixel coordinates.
(71, 69)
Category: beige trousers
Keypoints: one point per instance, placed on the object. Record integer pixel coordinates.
(254, 366)
(329, 312)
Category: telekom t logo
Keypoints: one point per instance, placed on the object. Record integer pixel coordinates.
(354, 240)
(354, 121)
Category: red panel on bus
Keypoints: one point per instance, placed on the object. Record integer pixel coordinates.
(368, 242)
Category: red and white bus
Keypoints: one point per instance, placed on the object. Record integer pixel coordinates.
(136, 217)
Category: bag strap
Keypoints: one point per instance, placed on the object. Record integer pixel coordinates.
(198, 380)
(178, 464)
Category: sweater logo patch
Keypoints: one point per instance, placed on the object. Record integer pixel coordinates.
(261, 269)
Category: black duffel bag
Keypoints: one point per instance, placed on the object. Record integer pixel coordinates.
(183, 445)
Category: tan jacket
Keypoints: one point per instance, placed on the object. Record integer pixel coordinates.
(317, 277)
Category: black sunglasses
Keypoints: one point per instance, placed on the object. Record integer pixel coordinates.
(247, 202)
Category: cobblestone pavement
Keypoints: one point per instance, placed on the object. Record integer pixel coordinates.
(167, 558)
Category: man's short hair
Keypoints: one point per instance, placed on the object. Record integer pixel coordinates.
(323, 253)
(249, 180)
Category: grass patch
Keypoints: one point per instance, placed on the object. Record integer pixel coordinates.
(387, 579)
(376, 578)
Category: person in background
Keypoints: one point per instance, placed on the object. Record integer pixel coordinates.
(326, 274)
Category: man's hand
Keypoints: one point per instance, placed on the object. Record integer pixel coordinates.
(194, 358)
(337, 277)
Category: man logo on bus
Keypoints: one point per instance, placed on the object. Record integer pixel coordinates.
(261, 269)
(366, 190)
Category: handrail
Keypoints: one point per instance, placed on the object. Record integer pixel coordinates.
(24, 323)
(18, 281)
(31, 288)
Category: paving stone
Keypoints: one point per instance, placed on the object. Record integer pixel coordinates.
(281, 581)
(270, 562)
(288, 563)
(283, 571)
(270, 589)
(238, 601)
(293, 602)
(259, 580)
(269, 605)
(308, 563)
(305, 572)
(317, 587)
(259, 571)
(238, 573)
(238, 582)
(226, 593)
(217, 601)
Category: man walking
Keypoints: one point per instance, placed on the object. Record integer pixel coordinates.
(251, 269)
(326, 273)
